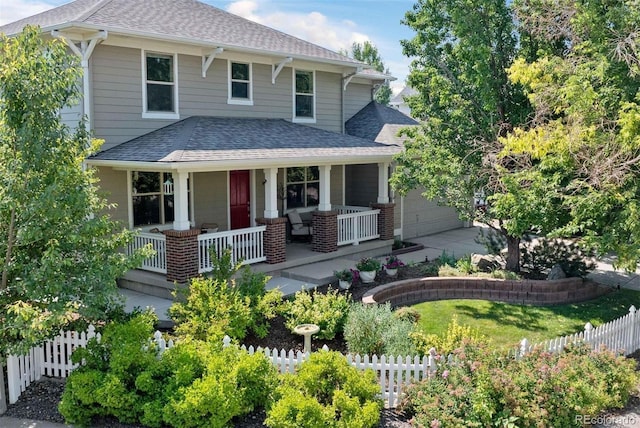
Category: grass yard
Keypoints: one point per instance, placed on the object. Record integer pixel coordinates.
(507, 324)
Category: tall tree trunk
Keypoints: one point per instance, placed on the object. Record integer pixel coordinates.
(513, 254)
(7, 258)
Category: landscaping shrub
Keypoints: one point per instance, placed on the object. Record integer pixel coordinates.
(464, 265)
(193, 384)
(326, 392)
(480, 388)
(572, 258)
(219, 305)
(448, 270)
(447, 342)
(446, 259)
(327, 310)
(375, 329)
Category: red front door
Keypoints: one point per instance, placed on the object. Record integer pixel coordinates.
(239, 197)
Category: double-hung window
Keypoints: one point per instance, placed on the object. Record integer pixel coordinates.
(303, 187)
(304, 96)
(152, 203)
(160, 87)
(240, 87)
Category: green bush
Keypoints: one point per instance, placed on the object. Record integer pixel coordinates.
(480, 388)
(464, 265)
(193, 384)
(447, 342)
(375, 329)
(221, 305)
(572, 258)
(327, 310)
(326, 392)
(446, 259)
(407, 313)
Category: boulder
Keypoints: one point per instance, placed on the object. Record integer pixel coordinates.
(556, 272)
(486, 262)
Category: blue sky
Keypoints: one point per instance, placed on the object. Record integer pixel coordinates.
(335, 24)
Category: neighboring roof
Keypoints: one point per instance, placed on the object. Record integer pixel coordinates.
(188, 21)
(374, 74)
(208, 139)
(379, 123)
(407, 91)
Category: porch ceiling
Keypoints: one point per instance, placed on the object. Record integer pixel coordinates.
(201, 139)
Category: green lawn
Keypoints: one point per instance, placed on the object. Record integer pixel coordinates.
(507, 324)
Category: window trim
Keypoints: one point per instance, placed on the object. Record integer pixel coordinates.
(176, 102)
(301, 119)
(305, 182)
(239, 101)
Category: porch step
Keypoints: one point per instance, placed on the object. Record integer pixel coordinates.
(150, 283)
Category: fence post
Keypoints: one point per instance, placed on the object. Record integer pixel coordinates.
(588, 334)
(524, 347)
(633, 314)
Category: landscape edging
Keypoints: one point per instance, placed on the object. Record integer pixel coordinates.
(526, 292)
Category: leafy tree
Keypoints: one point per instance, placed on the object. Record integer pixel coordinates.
(60, 257)
(584, 140)
(461, 52)
(368, 53)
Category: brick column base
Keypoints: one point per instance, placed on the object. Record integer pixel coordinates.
(182, 254)
(325, 231)
(385, 220)
(275, 239)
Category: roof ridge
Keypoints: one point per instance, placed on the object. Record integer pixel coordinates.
(93, 10)
(190, 123)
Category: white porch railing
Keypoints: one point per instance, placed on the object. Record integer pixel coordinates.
(357, 226)
(246, 245)
(156, 262)
(350, 209)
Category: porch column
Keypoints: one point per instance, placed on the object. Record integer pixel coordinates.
(271, 193)
(182, 254)
(324, 204)
(383, 183)
(181, 201)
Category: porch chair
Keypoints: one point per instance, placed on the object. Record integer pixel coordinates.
(298, 227)
(209, 227)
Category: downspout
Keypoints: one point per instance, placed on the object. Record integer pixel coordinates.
(84, 53)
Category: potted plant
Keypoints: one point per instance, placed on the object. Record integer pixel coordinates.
(368, 268)
(391, 265)
(345, 278)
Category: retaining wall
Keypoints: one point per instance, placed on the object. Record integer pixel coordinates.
(527, 292)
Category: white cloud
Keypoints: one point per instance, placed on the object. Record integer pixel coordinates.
(17, 9)
(313, 27)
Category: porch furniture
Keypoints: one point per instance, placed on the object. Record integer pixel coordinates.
(299, 228)
(209, 227)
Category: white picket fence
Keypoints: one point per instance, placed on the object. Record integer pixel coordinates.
(620, 335)
(394, 373)
(357, 226)
(246, 245)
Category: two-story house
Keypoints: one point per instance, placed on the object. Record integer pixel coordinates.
(221, 132)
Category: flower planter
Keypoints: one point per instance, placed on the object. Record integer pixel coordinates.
(391, 272)
(344, 285)
(367, 277)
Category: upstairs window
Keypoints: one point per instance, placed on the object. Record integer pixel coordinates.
(240, 87)
(160, 87)
(303, 187)
(304, 93)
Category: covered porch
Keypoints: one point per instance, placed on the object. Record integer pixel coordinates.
(190, 199)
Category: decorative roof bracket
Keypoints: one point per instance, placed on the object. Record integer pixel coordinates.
(207, 61)
(275, 70)
(86, 49)
(347, 78)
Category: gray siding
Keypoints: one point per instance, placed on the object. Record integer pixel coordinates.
(425, 217)
(210, 198)
(361, 184)
(117, 94)
(113, 186)
(356, 97)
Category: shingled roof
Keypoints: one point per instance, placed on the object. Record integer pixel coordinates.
(380, 123)
(206, 139)
(189, 21)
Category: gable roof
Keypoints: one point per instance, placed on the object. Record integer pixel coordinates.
(187, 21)
(407, 91)
(217, 139)
(379, 123)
